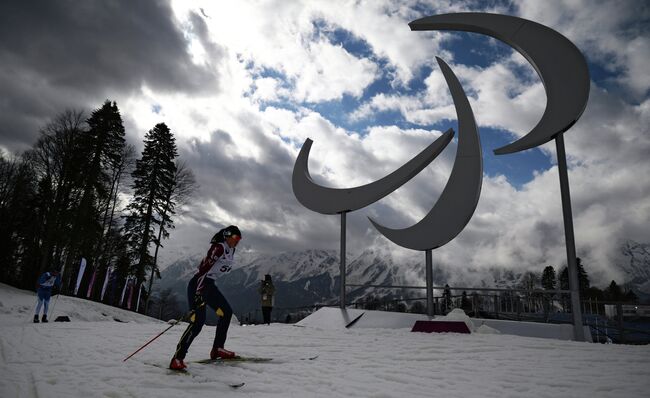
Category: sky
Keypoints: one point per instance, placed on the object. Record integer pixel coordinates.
(84, 358)
(243, 85)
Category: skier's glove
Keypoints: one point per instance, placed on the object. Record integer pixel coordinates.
(198, 300)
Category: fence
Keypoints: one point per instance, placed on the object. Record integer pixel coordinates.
(609, 322)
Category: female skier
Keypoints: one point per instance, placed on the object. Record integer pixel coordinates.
(202, 289)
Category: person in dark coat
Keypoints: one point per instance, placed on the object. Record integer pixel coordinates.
(46, 282)
(266, 291)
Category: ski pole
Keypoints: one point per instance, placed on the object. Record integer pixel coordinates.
(51, 309)
(148, 342)
(160, 334)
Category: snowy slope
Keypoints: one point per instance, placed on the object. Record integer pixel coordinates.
(83, 358)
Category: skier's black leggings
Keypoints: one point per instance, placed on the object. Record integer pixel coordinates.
(212, 297)
(266, 314)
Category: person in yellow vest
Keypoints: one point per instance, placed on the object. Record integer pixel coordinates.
(267, 290)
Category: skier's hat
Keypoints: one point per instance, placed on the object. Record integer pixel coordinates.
(232, 231)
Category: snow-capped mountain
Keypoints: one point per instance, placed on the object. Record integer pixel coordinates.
(636, 267)
(310, 277)
(301, 279)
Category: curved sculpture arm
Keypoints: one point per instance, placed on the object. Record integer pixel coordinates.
(337, 200)
(559, 63)
(459, 199)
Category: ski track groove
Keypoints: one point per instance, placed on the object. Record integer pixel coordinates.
(33, 384)
(2, 351)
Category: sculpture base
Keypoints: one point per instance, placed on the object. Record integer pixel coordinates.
(440, 327)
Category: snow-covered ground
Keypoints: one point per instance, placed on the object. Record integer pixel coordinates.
(83, 358)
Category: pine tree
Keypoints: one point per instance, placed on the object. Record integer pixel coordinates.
(182, 189)
(614, 292)
(104, 252)
(564, 285)
(123, 268)
(583, 278)
(465, 304)
(529, 281)
(630, 297)
(153, 179)
(564, 279)
(19, 227)
(548, 278)
(593, 293)
(103, 146)
(371, 302)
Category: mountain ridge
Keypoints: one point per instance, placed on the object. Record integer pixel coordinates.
(311, 277)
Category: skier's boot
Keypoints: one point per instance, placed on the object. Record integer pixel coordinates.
(35, 318)
(44, 318)
(221, 353)
(177, 364)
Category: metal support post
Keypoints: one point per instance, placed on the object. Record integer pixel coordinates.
(578, 330)
(343, 237)
(429, 275)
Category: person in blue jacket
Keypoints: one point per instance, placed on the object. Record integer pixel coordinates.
(45, 284)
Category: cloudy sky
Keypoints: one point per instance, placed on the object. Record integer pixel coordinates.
(243, 84)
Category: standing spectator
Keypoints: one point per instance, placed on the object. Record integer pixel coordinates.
(446, 299)
(44, 291)
(267, 290)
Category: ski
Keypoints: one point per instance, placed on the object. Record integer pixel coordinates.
(185, 372)
(237, 359)
(240, 359)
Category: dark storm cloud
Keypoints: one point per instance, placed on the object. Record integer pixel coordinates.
(239, 184)
(68, 54)
(257, 190)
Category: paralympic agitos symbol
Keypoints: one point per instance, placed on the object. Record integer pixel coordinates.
(563, 71)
